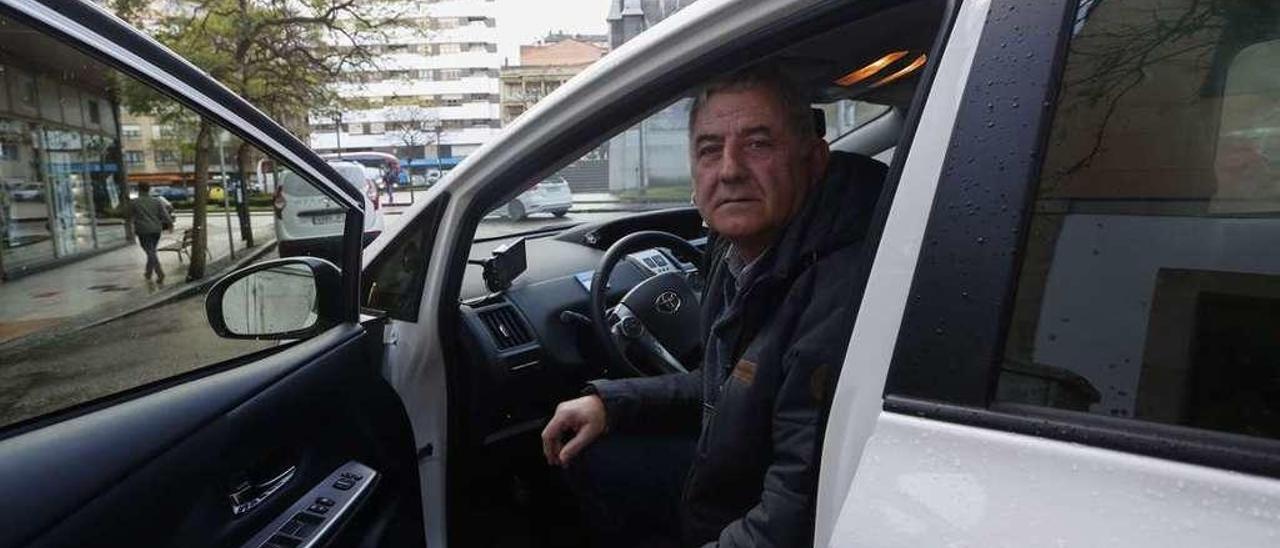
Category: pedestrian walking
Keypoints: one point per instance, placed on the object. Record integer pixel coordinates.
(150, 216)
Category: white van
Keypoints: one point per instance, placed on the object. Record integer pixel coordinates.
(310, 223)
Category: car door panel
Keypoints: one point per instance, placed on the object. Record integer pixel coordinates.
(1029, 490)
(157, 465)
(315, 406)
(955, 450)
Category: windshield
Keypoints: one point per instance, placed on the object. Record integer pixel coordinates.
(643, 168)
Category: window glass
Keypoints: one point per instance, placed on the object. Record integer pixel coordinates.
(846, 115)
(81, 314)
(643, 168)
(1150, 285)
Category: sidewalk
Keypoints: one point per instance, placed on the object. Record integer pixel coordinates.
(110, 284)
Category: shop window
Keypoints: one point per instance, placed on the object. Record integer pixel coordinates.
(1150, 284)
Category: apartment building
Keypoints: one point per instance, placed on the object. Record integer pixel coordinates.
(432, 94)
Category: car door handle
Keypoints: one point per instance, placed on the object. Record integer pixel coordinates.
(248, 495)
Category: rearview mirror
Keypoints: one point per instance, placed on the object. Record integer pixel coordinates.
(291, 298)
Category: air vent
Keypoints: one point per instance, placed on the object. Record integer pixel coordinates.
(505, 326)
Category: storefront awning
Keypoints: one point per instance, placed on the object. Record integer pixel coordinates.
(449, 161)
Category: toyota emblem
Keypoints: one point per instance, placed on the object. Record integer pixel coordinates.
(668, 302)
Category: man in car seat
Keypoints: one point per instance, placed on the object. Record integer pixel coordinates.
(787, 220)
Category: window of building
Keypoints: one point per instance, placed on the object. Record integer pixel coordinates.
(166, 156)
(131, 132)
(9, 151)
(134, 157)
(1150, 284)
(24, 91)
(94, 115)
(448, 48)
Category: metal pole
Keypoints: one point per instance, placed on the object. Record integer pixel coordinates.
(338, 128)
(226, 183)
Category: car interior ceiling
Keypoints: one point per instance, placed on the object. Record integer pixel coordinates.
(512, 497)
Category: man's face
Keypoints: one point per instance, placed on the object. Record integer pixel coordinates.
(751, 172)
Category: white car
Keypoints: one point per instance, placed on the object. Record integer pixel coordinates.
(1066, 334)
(310, 223)
(551, 195)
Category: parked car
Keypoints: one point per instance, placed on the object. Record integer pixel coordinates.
(551, 195)
(310, 223)
(171, 193)
(1066, 335)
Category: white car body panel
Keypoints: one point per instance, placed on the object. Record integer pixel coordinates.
(859, 393)
(931, 483)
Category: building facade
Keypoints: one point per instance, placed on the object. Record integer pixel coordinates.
(654, 152)
(544, 67)
(431, 96)
(59, 174)
(627, 18)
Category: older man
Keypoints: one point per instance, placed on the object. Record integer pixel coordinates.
(787, 219)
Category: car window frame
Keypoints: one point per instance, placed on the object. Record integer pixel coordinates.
(948, 351)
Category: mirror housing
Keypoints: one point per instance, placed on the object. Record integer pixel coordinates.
(293, 298)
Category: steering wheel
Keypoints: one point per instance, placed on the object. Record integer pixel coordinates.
(660, 316)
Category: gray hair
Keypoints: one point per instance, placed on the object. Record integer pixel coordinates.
(768, 76)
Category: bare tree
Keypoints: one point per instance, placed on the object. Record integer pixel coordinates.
(413, 127)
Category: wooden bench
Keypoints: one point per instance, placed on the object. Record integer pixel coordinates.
(183, 246)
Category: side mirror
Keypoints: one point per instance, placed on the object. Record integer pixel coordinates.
(292, 298)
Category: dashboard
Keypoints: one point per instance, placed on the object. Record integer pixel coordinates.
(532, 344)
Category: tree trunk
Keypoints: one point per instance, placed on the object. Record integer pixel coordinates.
(199, 212)
(244, 156)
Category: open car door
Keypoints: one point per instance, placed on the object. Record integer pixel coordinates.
(280, 429)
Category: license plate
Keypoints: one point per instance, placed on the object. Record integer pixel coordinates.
(327, 219)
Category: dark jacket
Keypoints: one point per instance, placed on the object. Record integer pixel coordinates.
(772, 351)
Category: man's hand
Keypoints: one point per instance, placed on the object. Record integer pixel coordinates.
(584, 418)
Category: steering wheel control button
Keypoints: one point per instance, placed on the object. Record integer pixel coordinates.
(631, 327)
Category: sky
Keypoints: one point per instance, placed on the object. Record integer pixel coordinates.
(525, 21)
